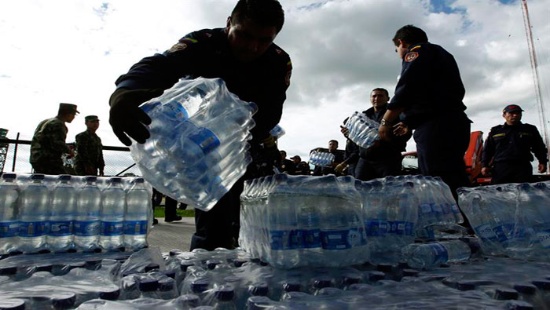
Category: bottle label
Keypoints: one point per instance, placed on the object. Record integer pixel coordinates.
(33, 229)
(285, 239)
(86, 228)
(8, 230)
(111, 228)
(61, 228)
(176, 110)
(135, 227)
(486, 233)
(401, 228)
(376, 228)
(338, 239)
(425, 208)
(440, 253)
(503, 232)
(544, 238)
(312, 238)
(205, 139)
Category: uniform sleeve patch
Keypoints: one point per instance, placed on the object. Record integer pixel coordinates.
(415, 48)
(180, 46)
(411, 56)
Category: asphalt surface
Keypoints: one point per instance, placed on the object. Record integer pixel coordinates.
(174, 235)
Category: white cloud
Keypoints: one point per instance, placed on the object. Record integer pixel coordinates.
(73, 51)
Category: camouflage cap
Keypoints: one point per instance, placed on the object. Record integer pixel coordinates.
(91, 118)
(67, 108)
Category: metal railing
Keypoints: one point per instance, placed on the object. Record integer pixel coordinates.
(16, 158)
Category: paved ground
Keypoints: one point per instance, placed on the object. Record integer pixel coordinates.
(174, 235)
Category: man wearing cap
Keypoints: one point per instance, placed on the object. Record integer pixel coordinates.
(89, 150)
(301, 167)
(48, 141)
(507, 150)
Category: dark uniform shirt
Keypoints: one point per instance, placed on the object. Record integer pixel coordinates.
(515, 143)
(386, 150)
(47, 146)
(264, 81)
(89, 153)
(429, 85)
(206, 53)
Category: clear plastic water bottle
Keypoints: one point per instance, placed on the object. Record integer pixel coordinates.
(375, 218)
(9, 223)
(113, 207)
(63, 203)
(33, 205)
(285, 241)
(431, 255)
(224, 298)
(277, 131)
(138, 213)
(533, 224)
(86, 223)
(402, 217)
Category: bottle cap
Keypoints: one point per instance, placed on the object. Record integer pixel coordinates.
(110, 294)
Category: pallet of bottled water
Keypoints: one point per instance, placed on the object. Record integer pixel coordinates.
(63, 213)
(293, 221)
(199, 141)
(232, 279)
(510, 219)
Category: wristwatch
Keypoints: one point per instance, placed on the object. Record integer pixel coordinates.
(384, 122)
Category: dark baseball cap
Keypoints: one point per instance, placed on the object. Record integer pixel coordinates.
(67, 108)
(512, 108)
(296, 157)
(91, 118)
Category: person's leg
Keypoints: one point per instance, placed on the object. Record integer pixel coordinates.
(170, 210)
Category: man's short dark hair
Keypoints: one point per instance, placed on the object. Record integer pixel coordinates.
(265, 13)
(410, 34)
(382, 90)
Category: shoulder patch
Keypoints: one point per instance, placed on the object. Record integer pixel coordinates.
(180, 46)
(411, 56)
(415, 48)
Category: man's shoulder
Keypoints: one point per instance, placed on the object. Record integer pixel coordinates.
(199, 38)
(497, 127)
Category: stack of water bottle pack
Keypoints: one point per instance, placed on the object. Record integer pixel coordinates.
(231, 279)
(199, 141)
(329, 221)
(363, 131)
(47, 213)
(510, 219)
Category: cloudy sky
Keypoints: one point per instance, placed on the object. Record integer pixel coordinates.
(73, 51)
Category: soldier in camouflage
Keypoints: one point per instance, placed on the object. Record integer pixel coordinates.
(89, 150)
(48, 141)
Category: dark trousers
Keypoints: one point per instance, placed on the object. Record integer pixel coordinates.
(219, 227)
(170, 208)
(371, 169)
(512, 172)
(440, 145)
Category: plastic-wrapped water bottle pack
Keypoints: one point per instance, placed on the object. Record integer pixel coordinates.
(199, 141)
(231, 279)
(47, 213)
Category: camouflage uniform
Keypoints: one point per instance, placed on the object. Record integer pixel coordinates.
(47, 146)
(89, 154)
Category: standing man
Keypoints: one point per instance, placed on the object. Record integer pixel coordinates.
(508, 149)
(48, 141)
(89, 150)
(429, 93)
(384, 157)
(338, 159)
(253, 67)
